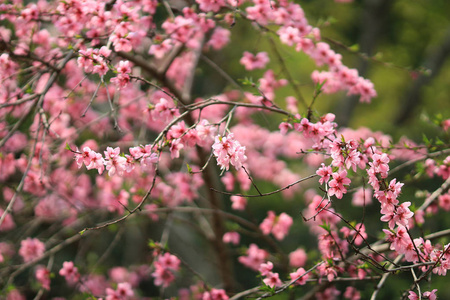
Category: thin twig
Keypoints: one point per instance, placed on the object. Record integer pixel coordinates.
(267, 194)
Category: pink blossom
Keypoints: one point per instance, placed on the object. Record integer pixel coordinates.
(238, 202)
(281, 227)
(337, 184)
(121, 80)
(255, 257)
(266, 268)
(123, 291)
(114, 163)
(445, 124)
(444, 201)
(362, 196)
(252, 62)
(299, 276)
(215, 294)
(8, 222)
(402, 214)
(278, 226)
(31, 249)
(96, 161)
(165, 265)
(267, 224)
(284, 127)
(324, 172)
(162, 49)
(43, 276)
(220, 38)
(211, 5)
(327, 270)
(70, 272)
(431, 295)
(289, 35)
(352, 293)
(364, 88)
(272, 280)
(227, 150)
(297, 258)
(413, 296)
(231, 237)
(228, 181)
(169, 261)
(163, 277)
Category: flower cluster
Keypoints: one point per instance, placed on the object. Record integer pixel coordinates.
(70, 272)
(31, 249)
(277, 225)
(165, 265)
(228, 151)
(113, 161)
(271, 279)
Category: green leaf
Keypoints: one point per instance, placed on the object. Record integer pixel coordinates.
(82, 232)
(67, 147)
(326, 227)
(189, 168)
(267, 289)
(319, 87)
(426, 140)
(247, 81)
(354, 48)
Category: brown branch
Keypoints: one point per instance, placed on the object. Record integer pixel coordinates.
(267, 194)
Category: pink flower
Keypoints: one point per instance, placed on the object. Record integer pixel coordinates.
(362, 196)
(43, 276)
(272, 280)
(297, 258)
(337, 184)
(70, 272)
(123, 291)
(445, 124)
(164, 267)
(114, 162)
(289, 35)
(255, 257)
(31, 249)
(402, 215)
(219, 39)
(239, 203)
(324, 172)
(121, 80)
(284, 127)
(431, 295)
(278, 226)
(160, 50)
(364, 88)
(300, 274)
(163, 277)
(352, 293)
(444, 201)
(266, 268)
(8, 222)
(227, 150)
(281, 227)
(215, 294)
(169, 261)
(413, 296)
(380, 164)
(231, 237)
(96, 161)
(252, 62)
(211, 5)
